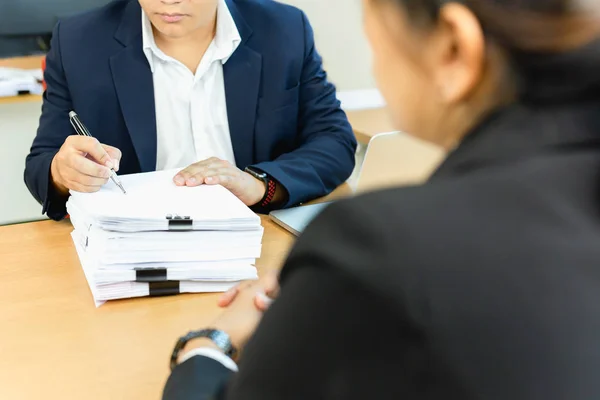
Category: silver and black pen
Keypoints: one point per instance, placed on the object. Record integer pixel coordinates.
(83, 131)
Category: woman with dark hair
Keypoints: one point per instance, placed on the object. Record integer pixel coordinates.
(482, 283)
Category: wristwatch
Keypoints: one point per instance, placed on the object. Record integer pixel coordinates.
(270, 184)
(220, 338)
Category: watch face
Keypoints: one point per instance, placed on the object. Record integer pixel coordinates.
(221, 339)
(257, 174)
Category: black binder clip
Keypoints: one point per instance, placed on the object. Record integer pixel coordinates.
(150, 275)
(177, 223)
(168, 288)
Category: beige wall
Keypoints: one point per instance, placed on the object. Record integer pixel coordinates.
(340, 40)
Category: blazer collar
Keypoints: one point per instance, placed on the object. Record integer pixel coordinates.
(243, 27)
(521, 131)
(134, 86)
(243, 75)
(558, 106)
(130, 28)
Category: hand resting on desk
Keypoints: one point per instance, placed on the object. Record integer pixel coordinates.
(83, 164)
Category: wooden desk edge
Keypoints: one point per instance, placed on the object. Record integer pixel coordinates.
(361, 137)
(26, 98)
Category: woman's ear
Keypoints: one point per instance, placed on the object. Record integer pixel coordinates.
(459, 57)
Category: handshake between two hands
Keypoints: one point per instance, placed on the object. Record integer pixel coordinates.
(244, 307)
(83, 164)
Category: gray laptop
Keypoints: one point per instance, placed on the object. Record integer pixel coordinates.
(392, 159)
(297, 218)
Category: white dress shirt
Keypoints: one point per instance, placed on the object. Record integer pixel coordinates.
(191, 111)
(215, 354)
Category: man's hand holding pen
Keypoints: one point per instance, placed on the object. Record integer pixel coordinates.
(83, 164)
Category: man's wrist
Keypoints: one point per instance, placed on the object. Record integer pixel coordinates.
(260, 189)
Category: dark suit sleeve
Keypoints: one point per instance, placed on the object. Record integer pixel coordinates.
(324, 337)
(53, 129)
(324, 158)
(197, 378)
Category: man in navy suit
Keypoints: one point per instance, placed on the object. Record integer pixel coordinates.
(230, 92)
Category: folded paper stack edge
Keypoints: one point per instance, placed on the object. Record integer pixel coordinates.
(161, 239)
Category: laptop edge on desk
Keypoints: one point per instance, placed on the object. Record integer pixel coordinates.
(391, 159)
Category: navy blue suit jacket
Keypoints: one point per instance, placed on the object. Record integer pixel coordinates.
(283, 114)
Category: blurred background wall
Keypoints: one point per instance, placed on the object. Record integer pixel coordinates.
(340, 39)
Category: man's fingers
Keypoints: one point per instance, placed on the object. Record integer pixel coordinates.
(209, 162)
(75, 176)
(82, 188)
(195, 174)
(88, 181)
(88, 167)
(92, 147)
(225, 180)
(179, 179)
(114, 154)
(77, 167)
(212, 176)
(184, 176)
(224, 175)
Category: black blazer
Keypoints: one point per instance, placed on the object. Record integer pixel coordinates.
(482, 284)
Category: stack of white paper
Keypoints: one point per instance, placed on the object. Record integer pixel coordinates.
(15, 81)
(163, 239)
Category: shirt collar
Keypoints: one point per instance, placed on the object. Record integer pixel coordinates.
(226, 41)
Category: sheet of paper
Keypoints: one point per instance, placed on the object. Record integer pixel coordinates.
(199, 274)
(212, 265)
(151, 197)
(8, 74)
(130, 289)
(106, 241)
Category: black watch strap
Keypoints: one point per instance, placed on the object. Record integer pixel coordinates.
(270, 187)
(220, 338)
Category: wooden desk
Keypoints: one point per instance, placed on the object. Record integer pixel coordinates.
(54, 343)
(368, 123)
(32, 62)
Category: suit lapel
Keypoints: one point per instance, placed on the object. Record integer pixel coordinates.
(242, 81)
(242, 74)
(133, 82)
